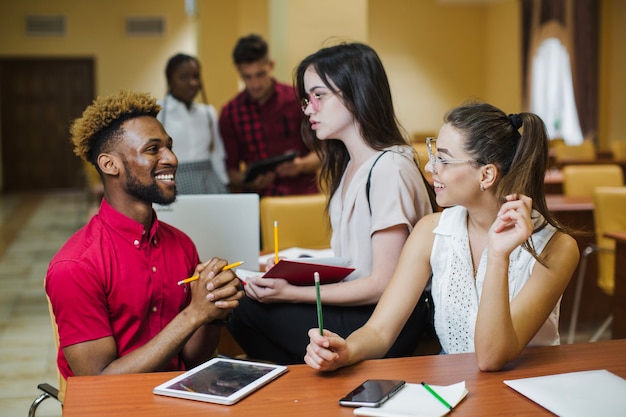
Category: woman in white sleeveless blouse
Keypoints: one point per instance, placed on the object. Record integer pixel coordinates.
(499, 261)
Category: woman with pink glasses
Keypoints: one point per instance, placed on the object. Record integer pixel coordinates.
(376, 194)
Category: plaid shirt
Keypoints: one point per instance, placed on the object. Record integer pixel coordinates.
(252, 132)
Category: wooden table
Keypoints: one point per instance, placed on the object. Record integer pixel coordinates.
(303, 392)
(553, 181)
(562, 203)
(619, 293)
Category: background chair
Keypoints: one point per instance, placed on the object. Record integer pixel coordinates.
(609, 216)
(420, 137)
(47, 390)
(554, 142)
(581, 180)
(583, 152)
(302, 221)
(618, 148)
(421, 156)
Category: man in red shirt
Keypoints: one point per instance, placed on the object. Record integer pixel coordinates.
(113, 285)
(264, 121)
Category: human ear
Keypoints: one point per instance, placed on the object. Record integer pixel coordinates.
(109, 164)
(488, 176)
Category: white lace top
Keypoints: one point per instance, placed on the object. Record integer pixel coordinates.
(456, 294)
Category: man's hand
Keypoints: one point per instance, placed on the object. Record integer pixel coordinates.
(216, 292)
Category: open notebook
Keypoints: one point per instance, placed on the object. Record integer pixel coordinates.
(221, 225)
(414, 400)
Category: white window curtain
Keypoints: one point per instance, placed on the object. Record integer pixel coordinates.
(552, 92)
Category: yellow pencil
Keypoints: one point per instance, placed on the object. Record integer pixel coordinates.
(275, 241)
(195, 277)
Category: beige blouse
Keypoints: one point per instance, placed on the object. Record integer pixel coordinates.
(398, 196)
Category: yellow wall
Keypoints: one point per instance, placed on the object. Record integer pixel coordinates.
(503, 62)
(293, 29)
(308, 26)
(433, 54)
(612, 66)
(98, 31)
(437, 55)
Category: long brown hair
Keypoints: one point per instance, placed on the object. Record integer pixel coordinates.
(354, 71)
(493, 137)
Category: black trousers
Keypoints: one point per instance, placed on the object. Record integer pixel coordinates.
(279, 332)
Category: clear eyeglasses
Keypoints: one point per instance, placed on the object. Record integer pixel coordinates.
(434, 159)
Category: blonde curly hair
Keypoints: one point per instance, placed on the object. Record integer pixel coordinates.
(92, 133)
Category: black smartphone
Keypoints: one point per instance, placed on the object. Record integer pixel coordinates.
(372, 393)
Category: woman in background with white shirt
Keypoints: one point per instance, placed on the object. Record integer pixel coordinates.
(194, 130)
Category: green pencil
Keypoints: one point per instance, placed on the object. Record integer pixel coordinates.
(437, 396)
(320, 322)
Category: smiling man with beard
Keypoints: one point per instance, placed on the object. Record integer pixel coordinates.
(113, 285)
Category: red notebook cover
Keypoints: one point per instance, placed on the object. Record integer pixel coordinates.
(301, 273)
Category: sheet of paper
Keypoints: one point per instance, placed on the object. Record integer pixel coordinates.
(296, 252)
(586, 393)
(415, 401)
(245, 274)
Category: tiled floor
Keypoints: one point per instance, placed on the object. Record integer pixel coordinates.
(32, 228)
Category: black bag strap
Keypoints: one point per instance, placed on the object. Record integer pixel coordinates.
(369, 181)
(431, 192)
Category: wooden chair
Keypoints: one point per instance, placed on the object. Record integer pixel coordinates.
(421, 156)
(555, 142)
(618, 148)
(420, 137)
(609, 216)
(47, 390)
(581, 180)
(583, 152)
(302, 221)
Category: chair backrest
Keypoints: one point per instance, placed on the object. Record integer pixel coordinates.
(420, 137)
(618, 148)
(55, 332)
(302, 221)
(609, 216)
(583, 152)
(554, 142)
(581, 180)
(421, 155)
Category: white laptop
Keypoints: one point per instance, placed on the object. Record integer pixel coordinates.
(221, 225)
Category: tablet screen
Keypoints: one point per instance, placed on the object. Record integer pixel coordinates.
(220, 380)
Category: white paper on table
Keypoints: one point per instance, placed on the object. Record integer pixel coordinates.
(586, 393)
(415, 401)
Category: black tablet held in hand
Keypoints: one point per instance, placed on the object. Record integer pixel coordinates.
(372, 393)
(269, 164)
